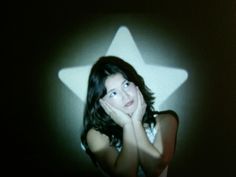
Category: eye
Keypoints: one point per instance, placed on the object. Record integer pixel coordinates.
(112, 94)
(126, 84)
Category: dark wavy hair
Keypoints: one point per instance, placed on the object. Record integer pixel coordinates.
(94, 115)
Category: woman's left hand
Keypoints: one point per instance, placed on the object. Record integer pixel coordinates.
(141, 107)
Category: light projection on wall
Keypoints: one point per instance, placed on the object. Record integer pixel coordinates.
(163, 81)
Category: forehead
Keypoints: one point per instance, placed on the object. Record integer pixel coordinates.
(113, 81)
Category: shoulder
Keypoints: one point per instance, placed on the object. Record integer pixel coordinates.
(96, 140)
(168, 115)
(168, 118)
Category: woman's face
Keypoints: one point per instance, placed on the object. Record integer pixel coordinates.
(121, 93)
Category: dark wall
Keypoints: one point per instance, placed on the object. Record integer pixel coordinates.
(33, 30)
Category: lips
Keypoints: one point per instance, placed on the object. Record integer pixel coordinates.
(129, 103)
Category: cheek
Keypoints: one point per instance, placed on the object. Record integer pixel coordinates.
(115, 103)
(133, 92)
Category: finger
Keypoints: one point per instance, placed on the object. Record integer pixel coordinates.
(140, 96)
(110, 110)
(105, 106)
(109, 107)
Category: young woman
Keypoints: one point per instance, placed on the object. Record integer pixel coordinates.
(123, 134)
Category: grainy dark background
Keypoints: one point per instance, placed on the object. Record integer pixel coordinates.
(33, 29)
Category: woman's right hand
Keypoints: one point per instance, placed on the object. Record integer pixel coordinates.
(117, 115)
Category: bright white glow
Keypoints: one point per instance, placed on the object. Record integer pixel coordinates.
(163, 81)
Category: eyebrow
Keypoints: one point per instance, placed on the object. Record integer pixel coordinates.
(114, 88)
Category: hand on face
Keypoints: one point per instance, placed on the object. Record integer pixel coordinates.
(122, 118)
(118, 116)
(141, 107)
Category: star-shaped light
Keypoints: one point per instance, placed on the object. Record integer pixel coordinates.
(163, 81)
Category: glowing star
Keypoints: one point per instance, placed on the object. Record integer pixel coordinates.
(163, 81)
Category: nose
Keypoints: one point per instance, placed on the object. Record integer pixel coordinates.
(125, 96)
